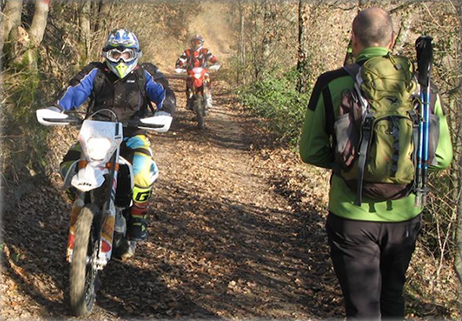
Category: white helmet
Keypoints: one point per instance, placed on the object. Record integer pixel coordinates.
(197, 42)
(121, 51)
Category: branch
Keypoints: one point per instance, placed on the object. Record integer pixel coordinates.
(400, 7)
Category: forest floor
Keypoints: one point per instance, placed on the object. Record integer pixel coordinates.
(236, 231)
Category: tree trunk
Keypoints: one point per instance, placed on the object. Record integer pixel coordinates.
(349, 59)
(11, 22)
(301, 62)
(403, 33)
(268, 17)
(458, 249)
(255, 47)
(39, 22)
(241, 48)
(103, 14)
(84, 24)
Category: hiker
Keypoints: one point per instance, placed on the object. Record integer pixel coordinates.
(131, 91)
(371, 239)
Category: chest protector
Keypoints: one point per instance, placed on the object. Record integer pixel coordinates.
(196, 58)
(126, 97)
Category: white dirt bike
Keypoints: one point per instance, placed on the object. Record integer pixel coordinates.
(103, 181)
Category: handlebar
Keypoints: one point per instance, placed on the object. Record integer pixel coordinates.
(136, 123)
(65, 121)
(160, 122)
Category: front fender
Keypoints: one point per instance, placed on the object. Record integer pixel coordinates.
(198, 83)
(89, 178)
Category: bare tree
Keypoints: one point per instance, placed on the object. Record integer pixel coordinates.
(11, 21)
(104, 8)
(349, 55)
(301, 61)
(39, 22)
(241, 44)
(24, 43)
(268, 17)
(84, 24)
(458, 250)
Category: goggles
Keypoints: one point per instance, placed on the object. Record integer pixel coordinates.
(115, 55)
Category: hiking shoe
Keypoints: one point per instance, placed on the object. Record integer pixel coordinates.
(137, 229)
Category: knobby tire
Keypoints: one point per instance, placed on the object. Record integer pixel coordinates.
(82, 280)
(199, 109)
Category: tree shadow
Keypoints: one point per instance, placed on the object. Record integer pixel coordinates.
(255, 261)
(35, 240)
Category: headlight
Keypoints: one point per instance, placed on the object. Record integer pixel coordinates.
(197, 76)
(97, 148)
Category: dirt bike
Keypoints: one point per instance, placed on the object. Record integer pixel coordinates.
(103, 181)
(197, 89)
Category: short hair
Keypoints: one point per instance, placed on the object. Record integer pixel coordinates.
(372, 27)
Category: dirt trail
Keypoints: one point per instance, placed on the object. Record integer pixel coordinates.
(228, 238)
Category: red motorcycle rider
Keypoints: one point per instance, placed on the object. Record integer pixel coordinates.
(197, 56)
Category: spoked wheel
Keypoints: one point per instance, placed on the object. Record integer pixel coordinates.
(199, 105)
(83, 274)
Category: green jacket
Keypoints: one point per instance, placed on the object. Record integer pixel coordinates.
(316, 148)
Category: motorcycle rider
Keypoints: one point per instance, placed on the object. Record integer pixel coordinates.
(197, 56)
(128, 89)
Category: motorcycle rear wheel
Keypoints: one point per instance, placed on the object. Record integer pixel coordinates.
(83, 274)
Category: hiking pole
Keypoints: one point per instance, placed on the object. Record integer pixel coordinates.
(424, 52)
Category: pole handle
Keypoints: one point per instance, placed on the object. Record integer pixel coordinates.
(424, 50)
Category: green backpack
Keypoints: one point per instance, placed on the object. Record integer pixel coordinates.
(377, 131)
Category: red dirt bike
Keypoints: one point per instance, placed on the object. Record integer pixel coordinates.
(103, 182)
(198, 90)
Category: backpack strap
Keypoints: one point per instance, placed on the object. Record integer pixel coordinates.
(364, 146)
(352, 70)
(366, 134)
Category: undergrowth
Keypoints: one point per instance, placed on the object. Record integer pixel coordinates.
(276, 99)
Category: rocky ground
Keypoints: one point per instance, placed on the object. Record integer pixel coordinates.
(236, 232)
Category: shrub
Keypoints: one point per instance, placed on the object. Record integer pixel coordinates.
(276, 99)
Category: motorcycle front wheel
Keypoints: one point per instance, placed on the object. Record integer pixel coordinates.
(83, 273)
(199, 106)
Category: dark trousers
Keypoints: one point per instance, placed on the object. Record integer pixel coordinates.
(370, 260)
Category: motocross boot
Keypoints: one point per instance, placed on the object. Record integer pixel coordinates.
(208, 102)
(130, 251)
(189, 94)
(137, 225)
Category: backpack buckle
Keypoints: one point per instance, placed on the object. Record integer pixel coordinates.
(367, 124)
(414, 118)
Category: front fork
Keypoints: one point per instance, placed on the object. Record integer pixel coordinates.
(204, 90)
(105, 222)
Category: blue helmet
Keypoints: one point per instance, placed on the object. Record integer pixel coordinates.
(121, 51)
